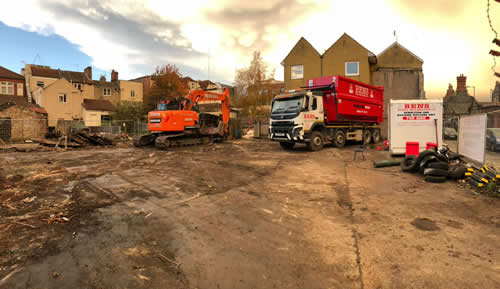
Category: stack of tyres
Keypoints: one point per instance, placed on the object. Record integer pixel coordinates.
(429, 163)
(436, 172)
(432, 166)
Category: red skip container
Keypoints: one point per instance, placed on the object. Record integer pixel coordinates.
(412, 148)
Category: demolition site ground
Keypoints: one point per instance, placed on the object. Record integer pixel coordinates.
(241, 214)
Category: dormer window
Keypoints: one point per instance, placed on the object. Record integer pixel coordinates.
(78, 86)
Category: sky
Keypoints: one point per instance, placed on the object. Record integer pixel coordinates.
(212, 39)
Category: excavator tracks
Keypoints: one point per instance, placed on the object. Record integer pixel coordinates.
(165, 142)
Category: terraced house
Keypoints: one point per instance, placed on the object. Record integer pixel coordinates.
(63, 93)
(11, 83)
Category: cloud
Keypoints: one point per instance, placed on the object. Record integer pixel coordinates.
(134, 37)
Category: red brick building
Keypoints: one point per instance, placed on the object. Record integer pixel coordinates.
(11, 83)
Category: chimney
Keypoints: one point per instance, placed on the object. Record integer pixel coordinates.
(88, 72)
(114, 75)
(102, 79)
(450, 91)
(461, 83)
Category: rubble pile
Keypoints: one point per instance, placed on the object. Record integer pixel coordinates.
(84, 138)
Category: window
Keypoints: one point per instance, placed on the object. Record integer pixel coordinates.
(352, 68)
(40, 84)
(10, 88)
(20, 90)
(62, 98)
(107, 91)
(78, 86)
(7, 87)
(132, 93)
(105, 118)
(282, 89)
(297, 71)
(315, 104)
(265, 92)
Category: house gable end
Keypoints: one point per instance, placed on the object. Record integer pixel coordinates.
(346, 37)
(301, 44)
(398, 56)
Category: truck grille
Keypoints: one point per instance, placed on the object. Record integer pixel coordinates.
(282, 123)
(282, 127)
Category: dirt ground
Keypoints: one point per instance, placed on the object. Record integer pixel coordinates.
(242, 214)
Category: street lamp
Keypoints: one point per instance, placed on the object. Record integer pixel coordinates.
(473, 88)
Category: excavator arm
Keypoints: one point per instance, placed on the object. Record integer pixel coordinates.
(200, 96)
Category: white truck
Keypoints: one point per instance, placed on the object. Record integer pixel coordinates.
(331, 109)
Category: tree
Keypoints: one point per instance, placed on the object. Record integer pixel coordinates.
(167, 85)
(251, 75)
(250, 84)
(128, 110)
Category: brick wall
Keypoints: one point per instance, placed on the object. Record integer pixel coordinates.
(25, 123)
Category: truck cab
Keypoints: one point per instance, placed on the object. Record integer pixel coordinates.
(293, 116)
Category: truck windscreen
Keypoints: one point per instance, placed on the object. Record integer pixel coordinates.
(288, 105)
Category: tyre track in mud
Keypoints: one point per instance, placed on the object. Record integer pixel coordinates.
(346, 199)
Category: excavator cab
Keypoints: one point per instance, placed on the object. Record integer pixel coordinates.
(177, 104)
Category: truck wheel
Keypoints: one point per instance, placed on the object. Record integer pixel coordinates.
(367, 136)
(287, 145)
(376, 136)
(339, 138)
(317, 141)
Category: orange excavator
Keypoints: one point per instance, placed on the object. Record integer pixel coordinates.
(200, 117)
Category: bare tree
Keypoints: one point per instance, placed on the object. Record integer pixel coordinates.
(250, 86)
(251, 75)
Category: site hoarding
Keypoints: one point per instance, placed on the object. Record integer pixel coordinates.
(414, 121)
(472, 137)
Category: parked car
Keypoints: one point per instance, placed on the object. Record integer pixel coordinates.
(493, 139)
(449, 133)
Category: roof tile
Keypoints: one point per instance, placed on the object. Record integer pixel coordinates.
(98, 104)
(5, 73)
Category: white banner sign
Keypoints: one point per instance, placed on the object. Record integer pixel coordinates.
(472, 137)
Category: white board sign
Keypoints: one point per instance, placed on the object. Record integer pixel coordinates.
(472, 137)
